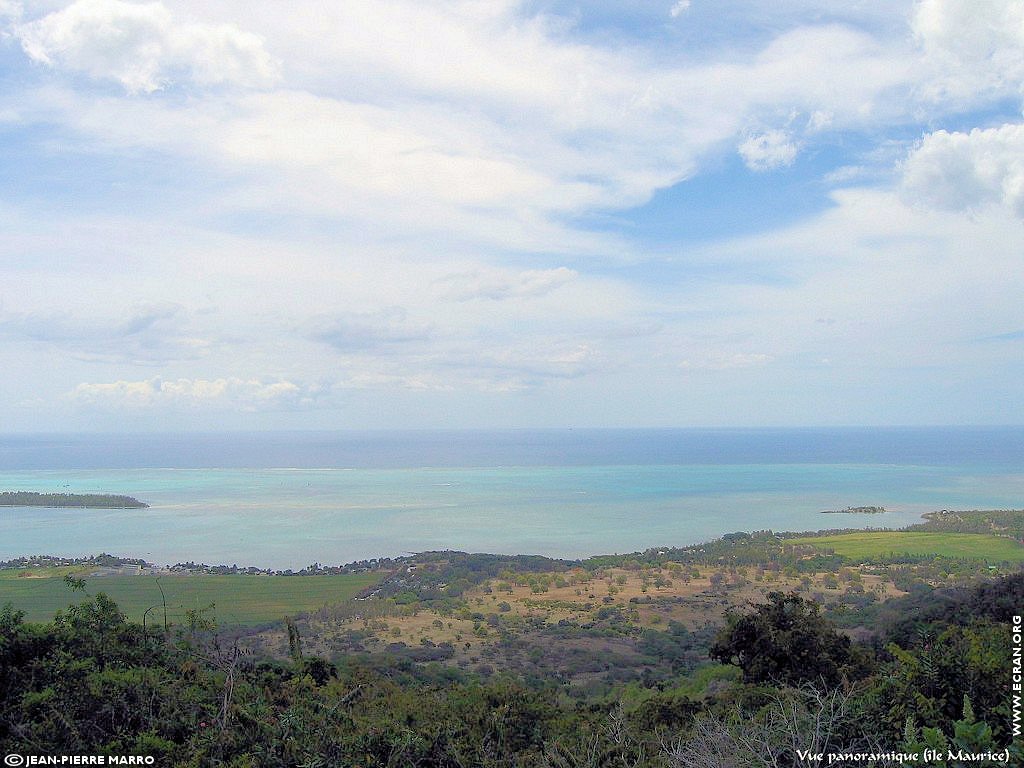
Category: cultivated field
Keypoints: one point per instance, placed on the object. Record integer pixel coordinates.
(974, 546)
(237, 599)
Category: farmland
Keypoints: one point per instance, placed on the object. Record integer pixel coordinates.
(871, 544)
(238, 599)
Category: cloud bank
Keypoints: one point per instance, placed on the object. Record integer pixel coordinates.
(248, 395)
(465, 213)
(143, 47)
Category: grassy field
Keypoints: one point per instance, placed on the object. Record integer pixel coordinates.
(238, 600)
(975, 546)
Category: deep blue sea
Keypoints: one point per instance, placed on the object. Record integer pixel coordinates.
(285, 500)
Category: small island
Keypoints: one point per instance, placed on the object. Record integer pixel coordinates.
(81, 500)
(855, 511)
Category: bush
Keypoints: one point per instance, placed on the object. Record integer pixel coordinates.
(784, 641)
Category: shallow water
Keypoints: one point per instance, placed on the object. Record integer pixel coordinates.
(567, 494)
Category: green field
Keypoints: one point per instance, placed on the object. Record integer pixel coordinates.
(238, 600)
(974, 546)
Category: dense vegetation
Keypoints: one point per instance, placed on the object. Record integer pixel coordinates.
(37, 563)
(92, 682)
(1002, 522)
(734, 653)
(87, 500)
(868, 510)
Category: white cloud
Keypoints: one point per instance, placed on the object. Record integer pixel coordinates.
(147, 334)
(486, 125)
(725, 361)
(972, 48)
(819, 120)
(531, 361)
(526, 365)
(10, 9)
(768, 151)
(498, 285)
(890, 281)
(681, 7)
(368, 331)
(455, 159)
(968, 171)
(231, 394)
(143, 47)
(566, 359)
(380, 380)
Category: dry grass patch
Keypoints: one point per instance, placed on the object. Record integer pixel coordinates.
(649, 598)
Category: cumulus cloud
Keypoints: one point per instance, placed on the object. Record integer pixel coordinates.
(143, 47)
(968, 171)
(215, 394)
(499, 285)
(768, 151)
(972, 47)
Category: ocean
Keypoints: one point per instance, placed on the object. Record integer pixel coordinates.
(285, 500)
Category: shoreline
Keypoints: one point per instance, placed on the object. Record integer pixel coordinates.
(126, 564)
(284, 540)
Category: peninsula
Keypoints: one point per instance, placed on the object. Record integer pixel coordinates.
(855, 511)
(83, 500)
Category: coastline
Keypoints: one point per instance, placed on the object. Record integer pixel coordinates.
(950, 521)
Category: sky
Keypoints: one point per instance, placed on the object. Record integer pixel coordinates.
(503, 213)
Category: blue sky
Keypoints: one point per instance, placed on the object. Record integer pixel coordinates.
(468, 213)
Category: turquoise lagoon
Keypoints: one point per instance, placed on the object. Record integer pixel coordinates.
(338, 498)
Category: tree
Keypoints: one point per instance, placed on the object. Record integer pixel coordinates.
(808, 719)
(784, 641)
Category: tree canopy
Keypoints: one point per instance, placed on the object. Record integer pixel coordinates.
(784, 641)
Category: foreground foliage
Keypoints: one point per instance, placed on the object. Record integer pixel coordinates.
(93, 682)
